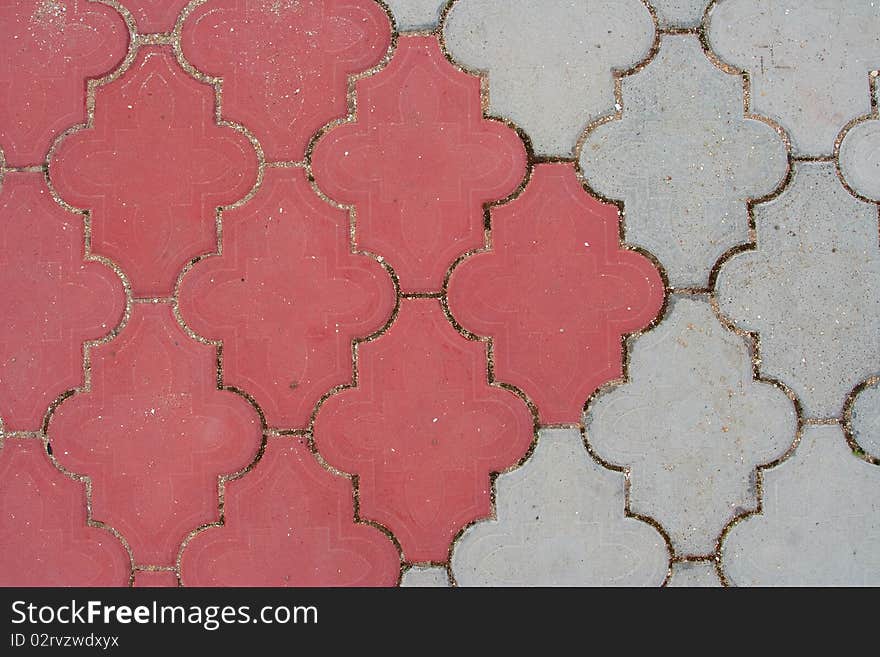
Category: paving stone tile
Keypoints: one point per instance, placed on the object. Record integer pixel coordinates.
(679, 13)
(289, 523)
(44, 536)
(419, 163)
(820, 522)
(425, 577)
(560, 522)
(53, 301)
(423, 430)
(866, 420)
(155, 15)
(155, 579)
(47, 51)
(285, 63)
(550, 63)
(811, 289)
(860, 156)
(152, 169)
(685, 170)
(154, 434)
(694, 574)
(692, 425)
(286, 298)
(416, 14)
(808, 62)
(556, 292)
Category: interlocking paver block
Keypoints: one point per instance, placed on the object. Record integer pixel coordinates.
(425, 577)
(416, 14)
(684, 169)
(821, 520)
(423, 430)
(860, 157)
(154, 434)
(152, 169)
(289, 523)
(694, 574)
(560, 522)
(418, 164)
(47, 51)
(866, 420)
(811, 289)
(53, 301)
(285, 63)
(286, 298)
(808, 61)
(550, 63)
(44, 536)
(692, 425)
(556, 292)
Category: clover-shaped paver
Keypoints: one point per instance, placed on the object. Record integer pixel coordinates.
(45, 538)
(808, 61)
(860, 156)
(550, 63)
(811, 289)
(691, 424)
(684, 169)
(866, 420)
(821, 520)
(560, 521)
(289, 522)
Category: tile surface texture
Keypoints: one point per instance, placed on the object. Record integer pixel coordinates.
(438, 293)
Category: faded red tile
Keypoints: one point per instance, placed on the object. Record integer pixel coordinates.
(44, 536)
(153, 170)
(52, 300)
(154, 434)
(423, 430)
(286, 298)
(419, 163)
(290, 522)
(154, 15)
(47, 51)
(285, 63)
(556, 293)
(155, 579)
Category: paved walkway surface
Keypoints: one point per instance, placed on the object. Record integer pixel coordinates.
(484, 292)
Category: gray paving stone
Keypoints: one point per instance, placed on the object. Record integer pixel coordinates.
(694, 574)
(808, 61)
(560, 522)
(684, 169)
(821, 520)
(691, 424)
(866, 420)
(550, 62)
(416, 14)
(860, 158)
(679, 13)
(811, 289)
(425, 577)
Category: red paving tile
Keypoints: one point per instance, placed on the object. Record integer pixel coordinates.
(152, 171)
(423, 430)
(50, 292)
(419, 163)
(44, 538)
(290, 523)
(287, 297)
(556, 293)
(47, 51)
(154, 15)
(154, 433)
(285, 63)
(155, 579)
